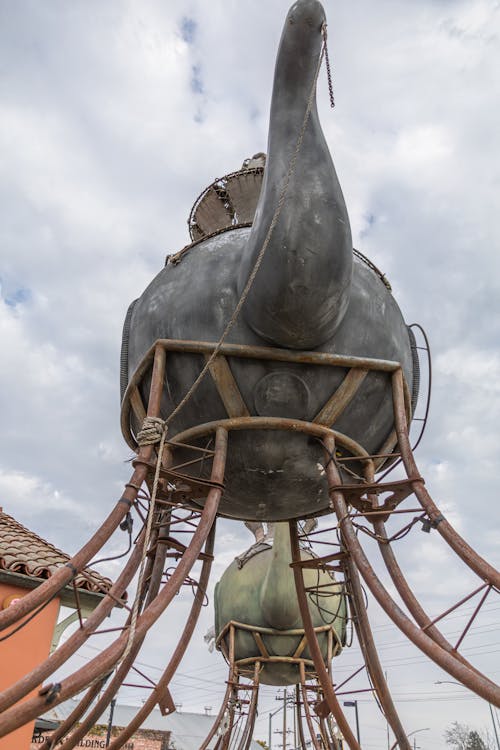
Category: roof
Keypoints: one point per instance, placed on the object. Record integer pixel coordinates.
(188, 730)
(25, 558)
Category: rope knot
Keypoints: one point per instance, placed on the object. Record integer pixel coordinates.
(152, 431)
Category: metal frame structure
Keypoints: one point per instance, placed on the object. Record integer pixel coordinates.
(183, 532)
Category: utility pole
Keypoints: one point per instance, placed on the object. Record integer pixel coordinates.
(110, 721)
(284, 718)
(283, 698)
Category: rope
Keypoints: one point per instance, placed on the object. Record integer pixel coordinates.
(153, 431)
(262, 251)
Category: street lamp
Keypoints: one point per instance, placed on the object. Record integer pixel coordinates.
(452, 682)
(354, 704)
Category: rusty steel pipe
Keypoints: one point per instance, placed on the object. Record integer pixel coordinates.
(307, 709)
(414, 607)
(476, 682)
(312, 642)
(246, 737)
(475, 562)
(180, 650)
(40, 673)
(66, 573)
(223, 707)
(243, 351)
(75, 683)
(113, 687)
(300, 726)
(399, 580)
(74, 716)
(368, 648)
(98, 709)
(362, 623)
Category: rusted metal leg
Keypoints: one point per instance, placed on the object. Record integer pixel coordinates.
(475, 562)
(30, 681)
(362, 623)
(161, 690)
(369, 651)
(229, 690)
(105, 662)
(116, 681)
(246, 738)
(228, 734)
(476, 682)
(409, 598)
(307, 708)
(66, 573)
(313, 645)
(300, 726)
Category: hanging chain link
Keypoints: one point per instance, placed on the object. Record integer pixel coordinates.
(328, 68)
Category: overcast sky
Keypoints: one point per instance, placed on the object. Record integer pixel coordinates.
(113, 118)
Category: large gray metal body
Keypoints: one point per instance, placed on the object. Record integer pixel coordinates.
(258, 591)
(310, 293)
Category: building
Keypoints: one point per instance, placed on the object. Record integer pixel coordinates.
(26, 560)
(177, 731)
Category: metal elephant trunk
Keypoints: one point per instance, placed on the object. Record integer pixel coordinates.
(322, 312)
(257, 617)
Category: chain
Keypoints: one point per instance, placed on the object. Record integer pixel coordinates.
(328, 68)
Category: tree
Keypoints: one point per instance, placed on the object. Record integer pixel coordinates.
(462, 737)
(475, 742)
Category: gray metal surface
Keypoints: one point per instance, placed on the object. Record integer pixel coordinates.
(310, 293)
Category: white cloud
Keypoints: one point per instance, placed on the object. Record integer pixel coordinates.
(103, 156)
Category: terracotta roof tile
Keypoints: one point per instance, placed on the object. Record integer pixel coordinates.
(23, 551)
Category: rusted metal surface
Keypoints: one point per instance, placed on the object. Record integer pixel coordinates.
(362, 623)
(475, 562)
(161, 687)
(342, 397)
(64, 575)
(407, 595)
(471, 678)
(34, 678)
(117, 680)
(246, 738)
(298, 713)
(307, 711)
(105, 662)
(321, 669)
(248, 352)
(227, 387)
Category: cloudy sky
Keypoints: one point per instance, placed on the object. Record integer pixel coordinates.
(113, 117)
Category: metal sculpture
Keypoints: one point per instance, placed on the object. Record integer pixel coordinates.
(268, 375)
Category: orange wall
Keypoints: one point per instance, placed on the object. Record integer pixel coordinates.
(20, 653)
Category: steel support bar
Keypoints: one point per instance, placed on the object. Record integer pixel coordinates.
(117, 679)
(414, 607)
(362, 625)
(40, 673)
(370, 654)
(307, 709)
(298, 713)
(67, 572)
(476, 682)
(481, 567)
(313, 645)
(75, 683)
(180, 650)
(246, 738)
